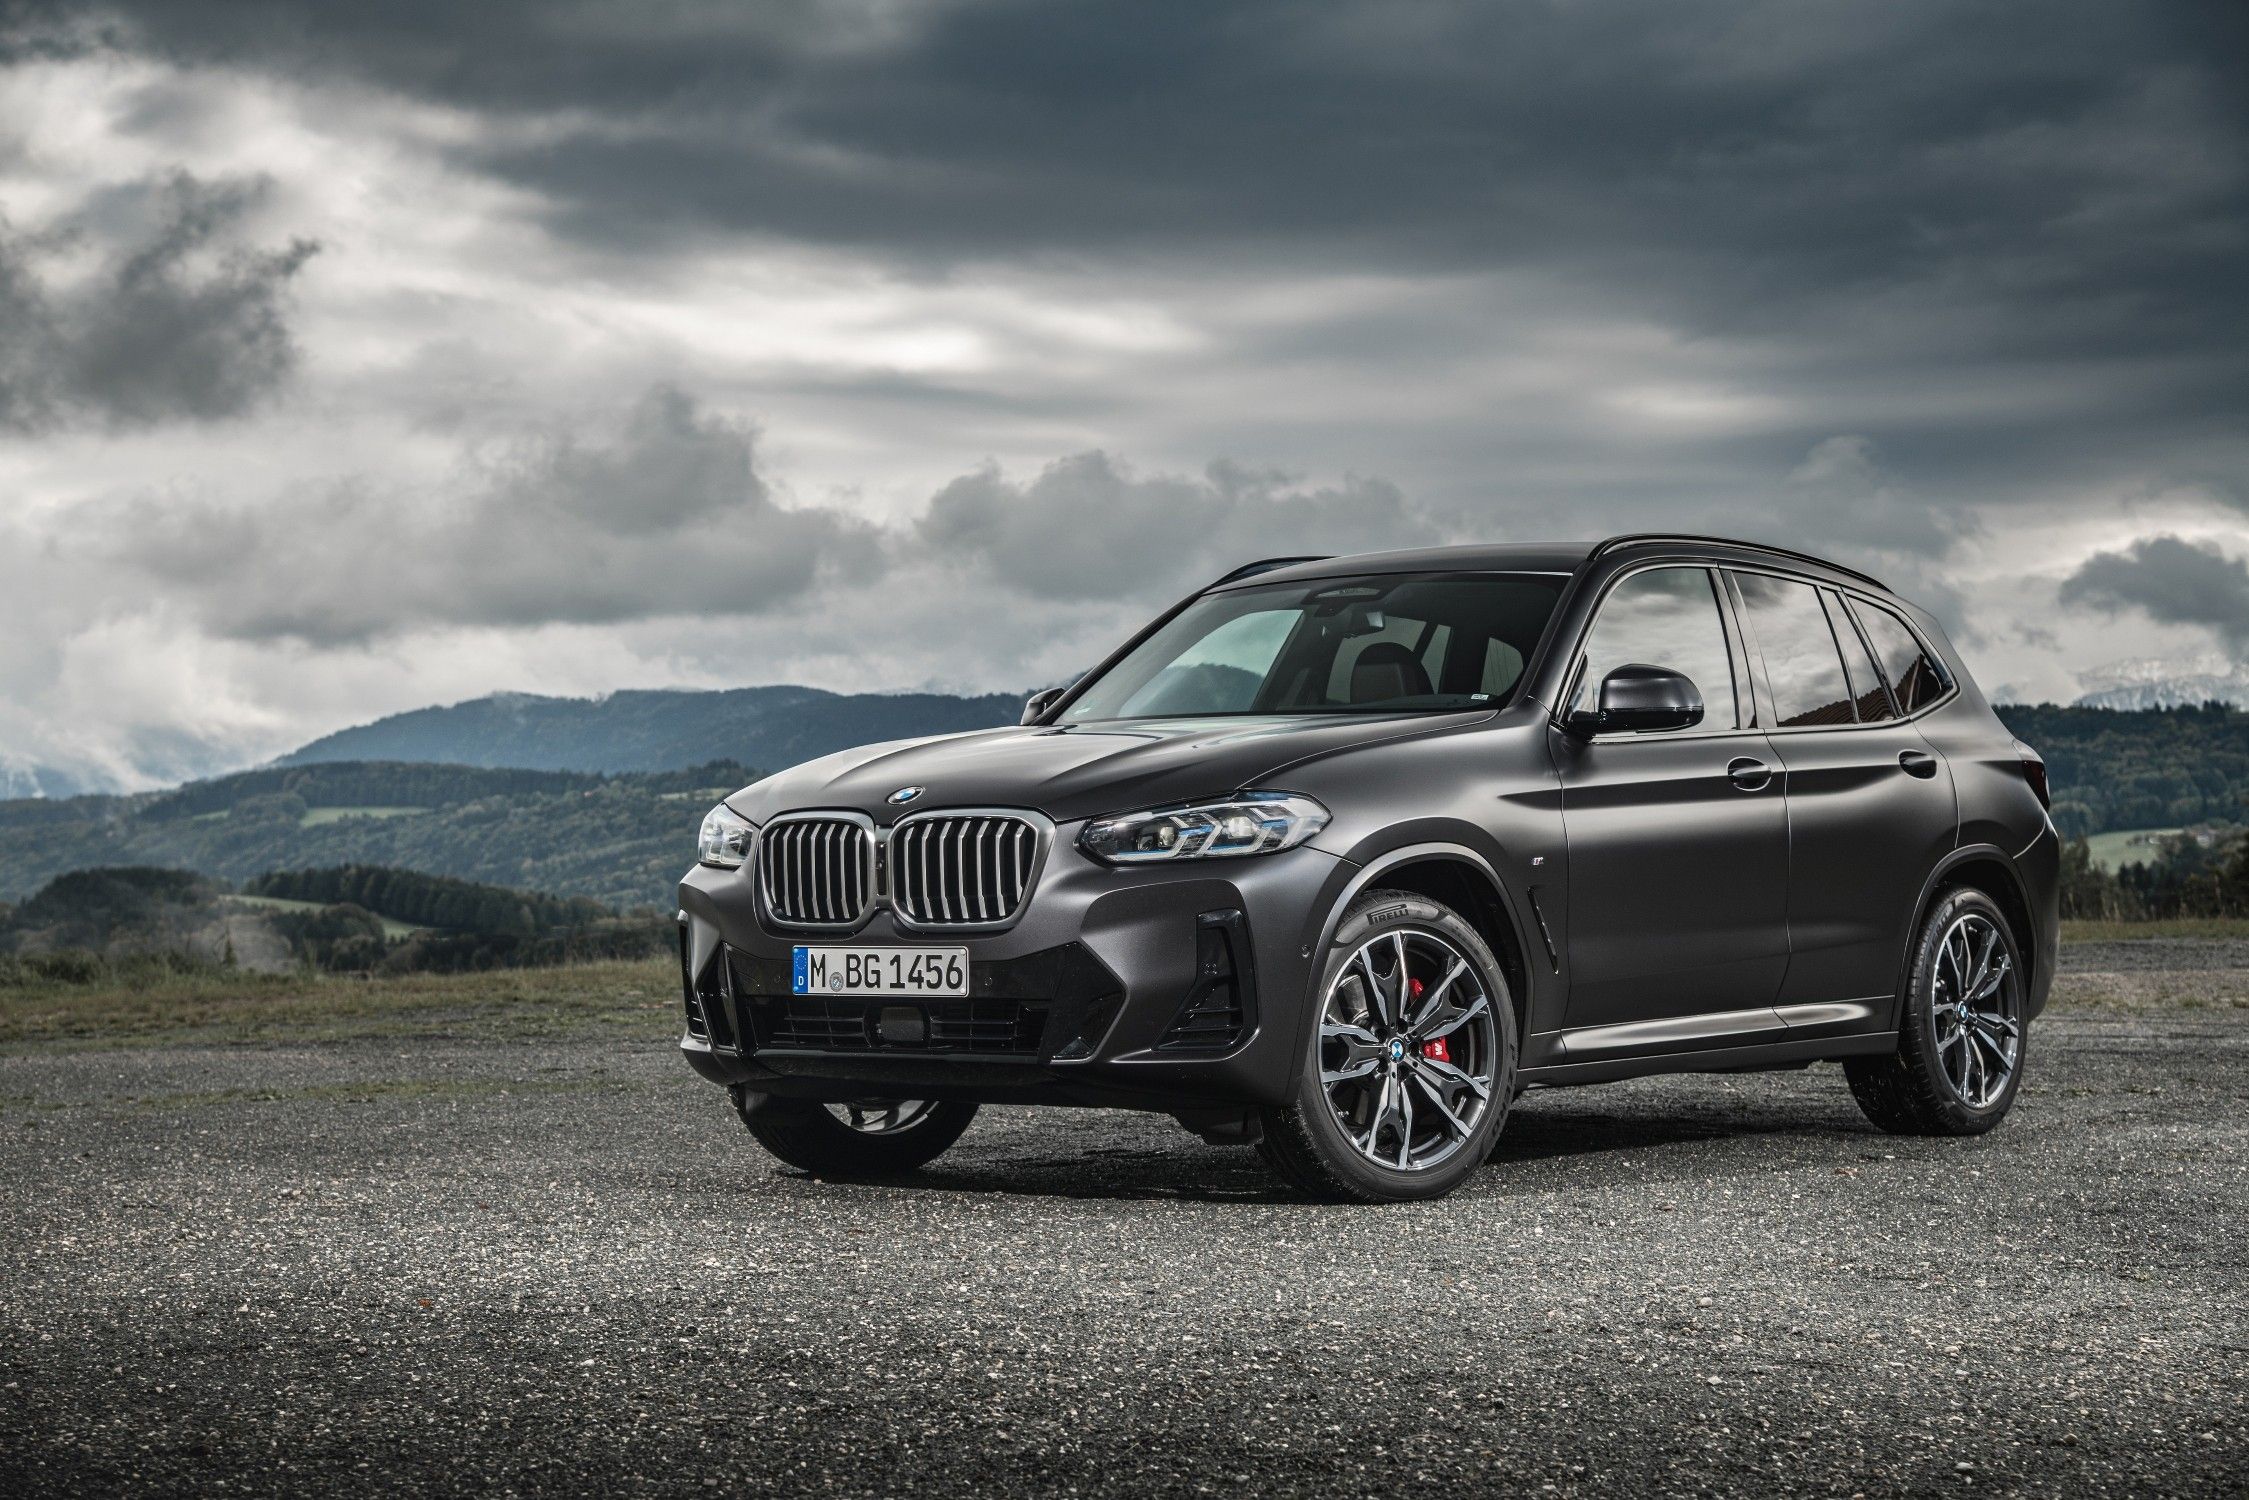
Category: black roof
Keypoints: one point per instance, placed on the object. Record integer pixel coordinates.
(1532, 557)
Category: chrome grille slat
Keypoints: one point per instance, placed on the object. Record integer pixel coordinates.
(816, 871)
(968, 869)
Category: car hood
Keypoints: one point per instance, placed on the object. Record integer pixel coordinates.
(1074, 771)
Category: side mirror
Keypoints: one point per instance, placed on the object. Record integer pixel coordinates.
(1641, 698)
(1035, 706)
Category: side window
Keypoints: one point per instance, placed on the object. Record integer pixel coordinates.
(1915, 678)
(1867, 691)
(1665, 617)
(1800, 658)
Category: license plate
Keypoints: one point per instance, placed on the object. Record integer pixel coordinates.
(881, 971)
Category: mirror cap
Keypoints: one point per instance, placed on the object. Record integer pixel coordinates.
(1643, 698)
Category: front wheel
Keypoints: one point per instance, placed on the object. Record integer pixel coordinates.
(857, 1138)
(1959, 1061)
(1407, 1075)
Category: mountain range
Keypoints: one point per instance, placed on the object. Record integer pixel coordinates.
(2162, 682)
(656, 730)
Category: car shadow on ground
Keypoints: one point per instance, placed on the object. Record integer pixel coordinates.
(1595, 1147)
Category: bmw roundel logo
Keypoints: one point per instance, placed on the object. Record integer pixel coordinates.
(907, 793)
(1397, 1050)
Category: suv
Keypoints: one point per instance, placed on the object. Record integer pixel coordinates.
(1341, 854)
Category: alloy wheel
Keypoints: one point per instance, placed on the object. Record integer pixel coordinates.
(882, 1116)
(1976, 1007)
(1409, 1048)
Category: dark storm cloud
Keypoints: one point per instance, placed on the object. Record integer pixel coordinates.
(1753, 152)
(658, 511)
(2172, 581)
(179, 319)
(2044, 206)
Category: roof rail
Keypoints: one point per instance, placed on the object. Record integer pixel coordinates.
(1266, 565)
(1635, 538)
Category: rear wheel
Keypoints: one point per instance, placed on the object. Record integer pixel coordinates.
(1408, 1074)
(856, 1138)
(1961, 1040)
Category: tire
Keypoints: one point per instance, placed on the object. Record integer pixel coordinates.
(811, 1136)
(1342, 1115)
(1940, 1081)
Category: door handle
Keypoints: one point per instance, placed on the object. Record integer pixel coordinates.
(1748, 773)
(1918, 763)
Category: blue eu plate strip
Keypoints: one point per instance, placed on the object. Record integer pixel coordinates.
(803, 962)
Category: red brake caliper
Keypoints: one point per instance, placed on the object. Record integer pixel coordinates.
(1435, 1051)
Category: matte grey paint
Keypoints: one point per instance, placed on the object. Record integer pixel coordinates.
(1714, 898)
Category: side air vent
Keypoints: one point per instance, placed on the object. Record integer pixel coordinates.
(817, 871)
(1221, 1004)
(698, 1026)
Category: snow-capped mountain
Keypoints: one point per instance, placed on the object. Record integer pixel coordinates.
(2165, 682)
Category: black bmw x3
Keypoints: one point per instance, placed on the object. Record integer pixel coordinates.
(1339, 855)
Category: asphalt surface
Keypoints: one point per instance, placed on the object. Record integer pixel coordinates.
(451, 1268)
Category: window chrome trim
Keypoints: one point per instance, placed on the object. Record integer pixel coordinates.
(1952, 690)
(1042, 834)
(1852, 604)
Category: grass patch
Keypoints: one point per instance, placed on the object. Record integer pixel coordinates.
(2124, 846)
(635, 1000)
(2168, 927)
(392, 928)
(321, 817)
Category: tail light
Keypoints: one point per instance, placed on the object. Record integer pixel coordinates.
(2034, 772)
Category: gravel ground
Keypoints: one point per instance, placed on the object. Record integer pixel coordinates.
(447, 1267)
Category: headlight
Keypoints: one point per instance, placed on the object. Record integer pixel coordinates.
(1252, 823)
(725, 840)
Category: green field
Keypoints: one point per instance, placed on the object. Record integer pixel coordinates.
(391, 929)
(321, 817)
(2088, 931)
(628, 1001)
(2126, 846)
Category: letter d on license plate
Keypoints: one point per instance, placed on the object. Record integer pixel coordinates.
(881, 971)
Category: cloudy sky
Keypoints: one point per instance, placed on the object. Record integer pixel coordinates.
(358, 357)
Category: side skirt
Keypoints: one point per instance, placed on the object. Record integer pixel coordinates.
(1784, 1054)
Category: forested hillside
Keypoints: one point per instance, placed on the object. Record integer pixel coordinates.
(90, 925)
(622, 840)
(2149, 768)
(774, 727)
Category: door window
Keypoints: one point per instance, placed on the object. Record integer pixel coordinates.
(1665, 617)
(1867, 691)
(1809, 688)
(1914, 676)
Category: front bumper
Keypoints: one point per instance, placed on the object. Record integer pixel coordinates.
(1152, 989)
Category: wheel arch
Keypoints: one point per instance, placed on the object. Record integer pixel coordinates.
(1985, 868)
(1460, 878)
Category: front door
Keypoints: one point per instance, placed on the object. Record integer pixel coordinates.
(1678, 840)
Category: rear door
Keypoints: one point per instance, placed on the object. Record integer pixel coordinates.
(1678, 840)
(1870, 804)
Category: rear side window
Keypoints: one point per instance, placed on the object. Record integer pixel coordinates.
(1914, 675)
(1867, 691)
(1809, 688)
(1665, 617)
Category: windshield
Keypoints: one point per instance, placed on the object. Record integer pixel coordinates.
(1389, 643)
